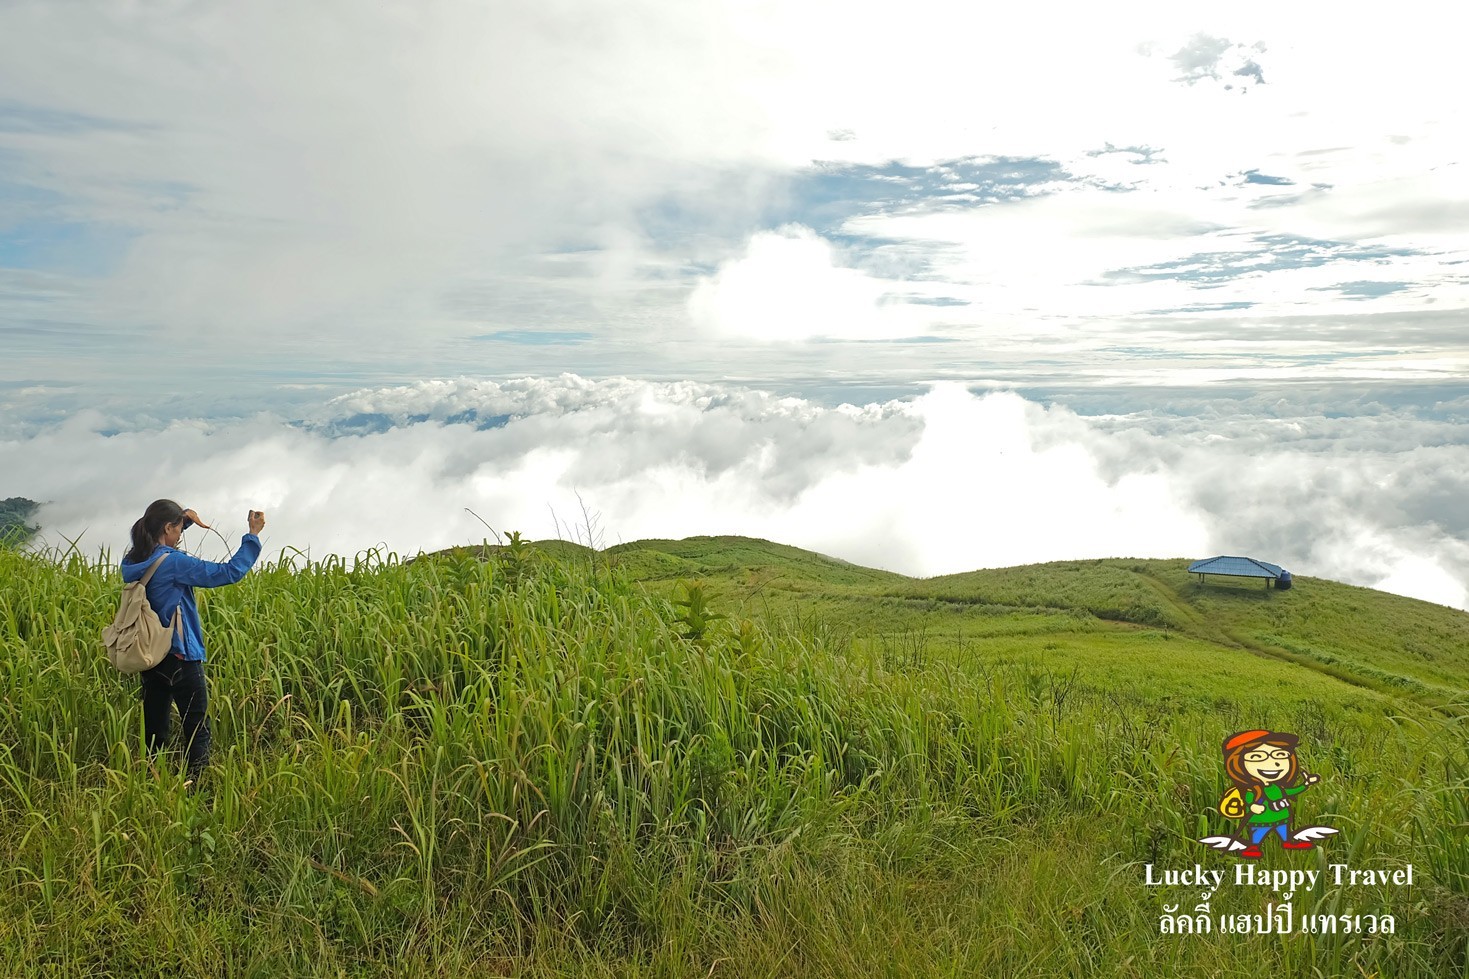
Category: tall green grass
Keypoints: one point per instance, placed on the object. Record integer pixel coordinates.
(524, 765)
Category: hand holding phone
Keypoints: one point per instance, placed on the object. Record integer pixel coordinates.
(257, 521)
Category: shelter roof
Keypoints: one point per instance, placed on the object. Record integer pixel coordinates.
(1239, 567)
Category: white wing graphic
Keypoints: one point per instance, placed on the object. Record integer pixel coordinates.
(1225, 842)
(1316, 832)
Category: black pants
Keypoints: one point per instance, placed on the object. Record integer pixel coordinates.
(175, 681)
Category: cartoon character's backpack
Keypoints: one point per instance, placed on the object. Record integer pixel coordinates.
(1233, 804)
(136, 640)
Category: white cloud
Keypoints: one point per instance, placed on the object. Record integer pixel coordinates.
(1425, 578)
(282, 196)
(322, 180)
(341, 166)
(947, 482)
(788, 286)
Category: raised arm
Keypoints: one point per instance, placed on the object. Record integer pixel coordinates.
(190, 570)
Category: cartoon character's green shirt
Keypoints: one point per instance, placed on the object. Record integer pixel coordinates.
(1273, 793)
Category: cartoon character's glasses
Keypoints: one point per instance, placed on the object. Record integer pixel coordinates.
(1279, 754)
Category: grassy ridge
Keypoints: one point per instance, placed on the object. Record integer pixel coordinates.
(1399, 646)
(15, 525)
(526, 765)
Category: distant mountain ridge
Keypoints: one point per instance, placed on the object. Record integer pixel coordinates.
(14, 514)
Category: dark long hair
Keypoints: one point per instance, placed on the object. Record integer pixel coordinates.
(149, 528)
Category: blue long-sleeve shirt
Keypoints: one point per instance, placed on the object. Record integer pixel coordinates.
(172, 587)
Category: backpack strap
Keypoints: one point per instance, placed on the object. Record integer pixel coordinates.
(148, 575)
(178, 618)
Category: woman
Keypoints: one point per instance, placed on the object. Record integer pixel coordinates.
(179, 678)
(1263, 767)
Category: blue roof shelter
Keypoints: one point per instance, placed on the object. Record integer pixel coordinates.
(1241, 567)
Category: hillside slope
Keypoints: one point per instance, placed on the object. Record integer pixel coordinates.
(540, 760)
(1372, 640)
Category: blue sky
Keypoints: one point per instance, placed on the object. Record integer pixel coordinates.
(349, 194)
(212, 213)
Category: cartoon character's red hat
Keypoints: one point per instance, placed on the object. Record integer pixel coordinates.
(1246, 737)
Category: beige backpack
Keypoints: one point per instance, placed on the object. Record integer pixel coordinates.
(136, 640)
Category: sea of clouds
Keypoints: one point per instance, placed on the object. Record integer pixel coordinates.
(949, 480)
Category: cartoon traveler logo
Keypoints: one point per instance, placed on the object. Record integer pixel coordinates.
(1267, 777)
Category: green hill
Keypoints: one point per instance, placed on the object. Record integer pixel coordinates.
(723, 757)
(1366, 639)
(15, 515)
(742, 557)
